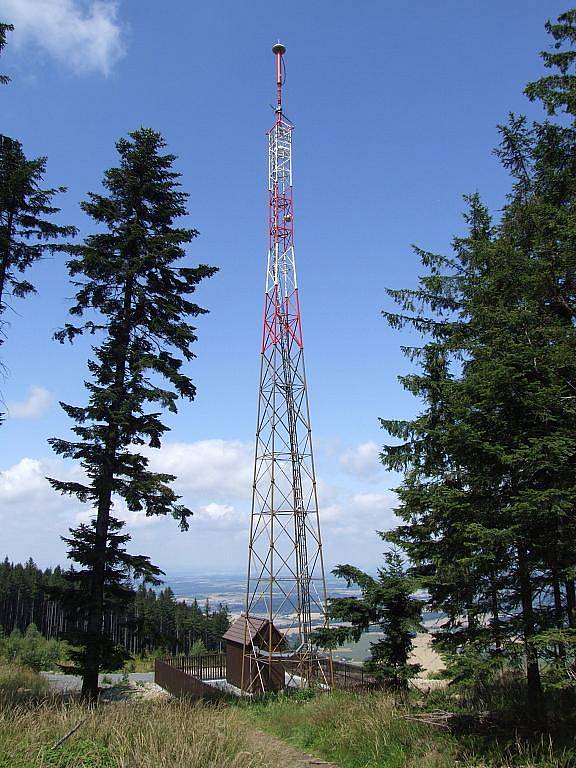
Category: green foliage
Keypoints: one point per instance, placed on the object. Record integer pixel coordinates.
(137, 299)
(475, 669)
(32, 650)
(174, 626)
(558, 92)
(198, 648)
(26, 231)
(4, 28)
(488, 496)
(153, 622)
(116, 596)
(386, 600)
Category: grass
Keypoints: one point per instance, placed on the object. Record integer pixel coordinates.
(370, 731)
(134, 734)
(141, 663)
(355, 731)
(352, 731)
(18, 683)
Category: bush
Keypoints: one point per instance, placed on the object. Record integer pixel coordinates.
(32, 649)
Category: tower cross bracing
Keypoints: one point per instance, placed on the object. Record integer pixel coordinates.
(286, 583)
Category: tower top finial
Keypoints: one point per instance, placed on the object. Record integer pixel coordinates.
(278, 49)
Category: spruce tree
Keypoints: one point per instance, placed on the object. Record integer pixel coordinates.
(386, 600)
(26, 231)
(133, 295)
(488, 493)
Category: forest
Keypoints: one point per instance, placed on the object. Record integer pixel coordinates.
(153, 622)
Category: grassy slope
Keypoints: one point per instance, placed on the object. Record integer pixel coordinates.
(162, 734)
(355, 731)
(368, 731)
(363, 731)
(133, 735)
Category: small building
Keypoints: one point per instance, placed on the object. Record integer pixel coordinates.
(263, 662)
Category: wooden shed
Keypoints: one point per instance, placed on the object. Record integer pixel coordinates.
(261, 671)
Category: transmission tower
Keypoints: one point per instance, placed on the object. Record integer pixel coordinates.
(286, 584)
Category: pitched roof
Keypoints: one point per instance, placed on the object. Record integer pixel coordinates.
(255, 625)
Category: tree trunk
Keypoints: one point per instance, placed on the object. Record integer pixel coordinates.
(495, 612)
(571, 602)
(93, 651)
(5, 257)
(535, 702)
(558, 612)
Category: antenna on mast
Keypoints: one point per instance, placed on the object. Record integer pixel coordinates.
(279, 50)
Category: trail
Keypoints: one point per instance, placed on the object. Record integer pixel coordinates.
(287, 756)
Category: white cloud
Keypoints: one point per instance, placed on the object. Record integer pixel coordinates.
(221, 467)
(215, 480)
(84, 35)
(32, 515)
(373, 503)
(362, 460)
(23, 479)
(37, 401)
(216, 516)
(24, 485)
(359, 511)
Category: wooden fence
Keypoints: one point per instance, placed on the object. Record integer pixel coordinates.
(188, 675)
(174, 676)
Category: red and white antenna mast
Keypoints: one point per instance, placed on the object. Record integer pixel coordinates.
(286, 586)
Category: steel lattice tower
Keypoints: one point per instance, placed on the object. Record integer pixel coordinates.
(286, 583)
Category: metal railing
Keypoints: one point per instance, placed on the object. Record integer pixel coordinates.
(353, 676)
(342, 674)
(208, 666)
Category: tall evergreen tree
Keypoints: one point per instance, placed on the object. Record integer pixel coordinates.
(129, 281)
(26, 230)
(488, 496)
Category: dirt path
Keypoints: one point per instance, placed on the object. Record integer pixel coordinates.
(260, 744)
(287, 756)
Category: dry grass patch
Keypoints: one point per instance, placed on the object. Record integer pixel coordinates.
(19, 683)
(172, 734)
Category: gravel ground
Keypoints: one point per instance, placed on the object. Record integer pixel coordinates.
(71, 683)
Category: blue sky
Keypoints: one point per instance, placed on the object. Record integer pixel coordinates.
(395, 107)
